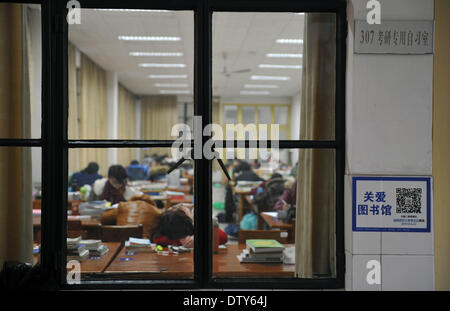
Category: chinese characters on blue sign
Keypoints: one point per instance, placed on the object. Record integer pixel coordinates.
(391, 204)
(394, 37)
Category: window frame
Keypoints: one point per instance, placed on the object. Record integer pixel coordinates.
(55, 143)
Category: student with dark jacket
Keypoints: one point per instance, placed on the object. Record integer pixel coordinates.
(243, 172)
(85, 177)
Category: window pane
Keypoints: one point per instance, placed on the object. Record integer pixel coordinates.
(281, 115)
(231, 114)
(261, 203)
(264, 115)
(248, 115)
(258, 61)
(148, 204)
(21, 70)
(20, 211)
(128, 72)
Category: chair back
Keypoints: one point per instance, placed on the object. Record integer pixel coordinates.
(279, 235)
(120, 233)
(74, 225)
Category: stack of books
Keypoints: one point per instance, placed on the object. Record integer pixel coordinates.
(139, 245)
(76, 250)
(262, 251)
(95, 247)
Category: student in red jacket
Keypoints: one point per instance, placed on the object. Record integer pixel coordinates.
(176, 228)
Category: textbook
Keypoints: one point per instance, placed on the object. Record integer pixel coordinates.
(91, 244)
(264, 246)
(82, 256)
(242, 258)
(72, 242)
(99, 251)
(249, 254)
(138, 245)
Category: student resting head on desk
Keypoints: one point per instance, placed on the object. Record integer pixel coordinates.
(176, 227)
(85, 177)
(114, 188)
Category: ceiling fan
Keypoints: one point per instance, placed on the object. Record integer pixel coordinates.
(226, 73)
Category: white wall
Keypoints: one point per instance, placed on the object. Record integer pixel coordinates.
(389, 101)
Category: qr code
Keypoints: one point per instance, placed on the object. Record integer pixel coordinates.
(409, 200)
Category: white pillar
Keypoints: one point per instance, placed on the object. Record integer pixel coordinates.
(112, 87)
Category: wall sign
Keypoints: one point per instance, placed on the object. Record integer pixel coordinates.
(391, 204)
(394, 37)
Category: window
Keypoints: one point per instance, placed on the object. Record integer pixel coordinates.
(60, 144)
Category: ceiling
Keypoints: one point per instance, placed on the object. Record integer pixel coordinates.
(240, 42)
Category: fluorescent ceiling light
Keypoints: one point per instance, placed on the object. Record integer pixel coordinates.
(261, 86)
(167, 76)
(162, 54)
(171, 84)
(131, 10)
(280, 66)
(174, 92)
(156, 65)
(300, 13)
(255, 92)
(284, 55)
(290, 41)
(148, 38)
(275, 78)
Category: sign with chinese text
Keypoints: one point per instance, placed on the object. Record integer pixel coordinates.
(391, 204)
(394, 37)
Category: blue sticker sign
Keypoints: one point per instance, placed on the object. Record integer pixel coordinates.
(383, 204)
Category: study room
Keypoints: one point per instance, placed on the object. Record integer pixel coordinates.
(136, 207)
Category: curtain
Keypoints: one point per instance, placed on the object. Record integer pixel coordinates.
(127, 125)
(159, 115)
(87, 112)
(74, 154)
(315, 241)
(16, 237)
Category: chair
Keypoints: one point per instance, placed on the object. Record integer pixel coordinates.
(76, 233)
(120, 233)
(74, 225)
(279, 235)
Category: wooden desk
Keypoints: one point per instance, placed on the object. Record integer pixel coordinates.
(225, 264)
(91, 226)
(99, 265)
(151, 265)
(276, 223)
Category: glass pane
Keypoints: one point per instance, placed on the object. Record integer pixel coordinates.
(248, 115)
(264, 115)
(281, 115)
(128, 72)
(131, 196)
(21, 70)
(260, 204)
(20, 211)
(258, 61)
(231, 114)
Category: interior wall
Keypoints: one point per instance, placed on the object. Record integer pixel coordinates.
(441, 144)
(389, 102)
